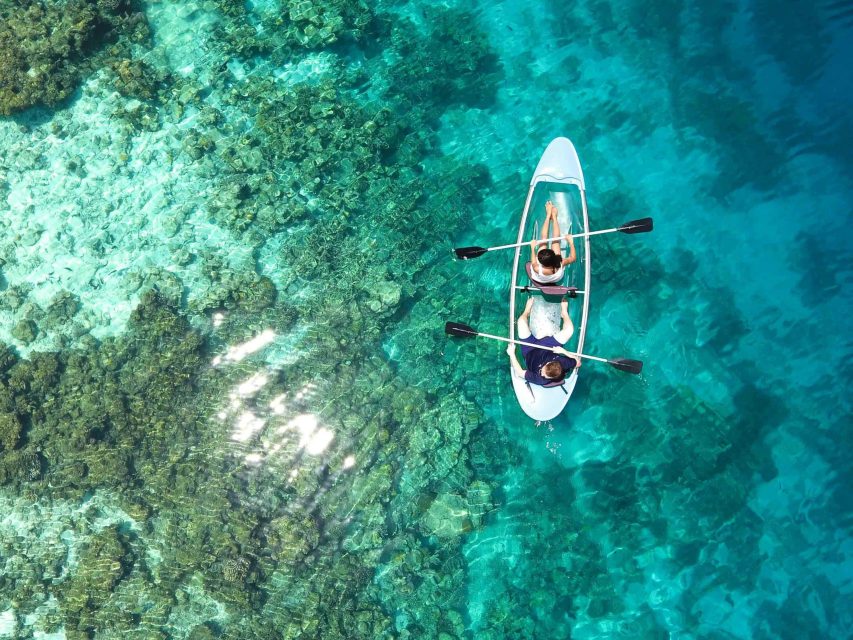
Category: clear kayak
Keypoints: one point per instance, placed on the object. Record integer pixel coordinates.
(558, 177)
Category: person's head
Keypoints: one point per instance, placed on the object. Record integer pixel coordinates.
(553, 370)
(547, 258)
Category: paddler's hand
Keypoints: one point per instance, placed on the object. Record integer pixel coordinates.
(510, 350)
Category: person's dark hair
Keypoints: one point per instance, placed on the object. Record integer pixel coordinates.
(553, 370)
(547, 258)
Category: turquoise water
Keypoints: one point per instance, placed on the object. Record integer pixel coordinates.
(228, 408)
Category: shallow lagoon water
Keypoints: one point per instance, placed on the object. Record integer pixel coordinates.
(281, 443)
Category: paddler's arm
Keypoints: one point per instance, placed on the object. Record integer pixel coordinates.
(572, 255)
(533, 245)
(513, 359)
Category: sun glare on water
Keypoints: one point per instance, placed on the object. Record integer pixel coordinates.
(276, 433)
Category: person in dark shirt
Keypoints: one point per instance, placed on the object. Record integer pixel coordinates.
(543, 366)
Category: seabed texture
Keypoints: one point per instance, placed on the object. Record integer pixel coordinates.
(227, 405)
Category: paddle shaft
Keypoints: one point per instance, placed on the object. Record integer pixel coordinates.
(529, 288)
(537, 346)
(574, 235)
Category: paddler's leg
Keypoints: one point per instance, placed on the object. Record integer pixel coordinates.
(555, 246)
(566, 331)
(545, 226)
(523, 324)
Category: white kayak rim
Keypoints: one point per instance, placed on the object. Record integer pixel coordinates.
(559, 166)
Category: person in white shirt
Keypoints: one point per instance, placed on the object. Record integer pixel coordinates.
(548, 263)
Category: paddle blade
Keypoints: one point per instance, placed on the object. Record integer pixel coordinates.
(642, 225)
(459, 329)
(626, 364)
(466, 253)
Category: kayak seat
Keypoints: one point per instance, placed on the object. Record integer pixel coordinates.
(550, 289)
(555, 383)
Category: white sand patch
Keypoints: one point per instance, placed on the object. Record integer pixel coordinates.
(8, 624)
(94, 211)
(92, 204)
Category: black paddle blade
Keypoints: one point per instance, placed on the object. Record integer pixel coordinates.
(459, 329)
(466, 253)
(626, 364)
(638, 226)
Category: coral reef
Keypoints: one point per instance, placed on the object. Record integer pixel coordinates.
(137, 79)
(106, 560)
(25, 331)
(134, 413)
(293, 26)
(315, 23)
(10, 430)
(61, 310)
(470, 69)
(46, 46)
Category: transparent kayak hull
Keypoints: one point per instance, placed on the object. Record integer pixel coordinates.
(559, 178)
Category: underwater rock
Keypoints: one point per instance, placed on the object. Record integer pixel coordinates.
(230, 290)
(30, 465)
(43, 71)
(759, 158)
(196, 145)
(136, 78)
(140, 116)
(15, 296)
(106, 465)
(388, 293)
(447, 517)
(25, 331)
(202, 632)
(134, 412)
(479, 501)
(61, 309)
(298, 24)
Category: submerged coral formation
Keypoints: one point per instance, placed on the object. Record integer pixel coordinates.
(258, 535)
(45, 46)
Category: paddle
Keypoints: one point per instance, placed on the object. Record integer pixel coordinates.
(642, 225)
(551, 290)
(464, 331)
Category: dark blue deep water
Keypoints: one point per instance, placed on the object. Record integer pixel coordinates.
(227, 405)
